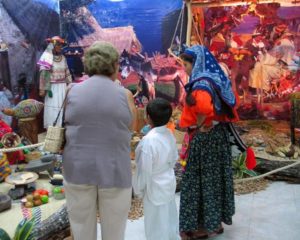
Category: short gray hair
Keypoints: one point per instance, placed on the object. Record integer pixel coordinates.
(101, 58)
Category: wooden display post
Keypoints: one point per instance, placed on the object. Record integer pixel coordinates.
(295, 116)
(189, 23)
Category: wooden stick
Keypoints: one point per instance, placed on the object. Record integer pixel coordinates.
(268, 173)
(190, 23)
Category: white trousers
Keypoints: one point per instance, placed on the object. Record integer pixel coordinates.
(161, 222)
(83, 201)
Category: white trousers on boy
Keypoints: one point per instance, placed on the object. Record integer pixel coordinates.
(83, 202)
(161, 221)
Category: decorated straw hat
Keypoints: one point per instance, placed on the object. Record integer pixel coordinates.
(55, 40)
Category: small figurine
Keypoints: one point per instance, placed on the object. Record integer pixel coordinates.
(6, 100)
(12, 140)
(26, 113)
(23, 91)
(3, 46)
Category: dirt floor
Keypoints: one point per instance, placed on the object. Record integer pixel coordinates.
(269, 136)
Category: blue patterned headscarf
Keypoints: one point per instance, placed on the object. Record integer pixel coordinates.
(207, 75)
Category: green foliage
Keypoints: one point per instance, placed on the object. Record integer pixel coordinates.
(4, 235)
(24, 229)
(240, 168)
(132, 87)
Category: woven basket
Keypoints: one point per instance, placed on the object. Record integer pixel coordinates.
(54, 139)
(5, 138)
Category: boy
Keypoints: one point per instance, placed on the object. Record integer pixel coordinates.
(154, 179)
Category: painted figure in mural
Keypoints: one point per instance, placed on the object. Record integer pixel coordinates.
(271, 65)
(244, 58)
(54, 78)
(209, 104)
(285, 49)
(219, 42)
(23, 91)
(278, 31)
(3, 46)
(5, 103)
(238, 56)
(141, 97)
(257, 45)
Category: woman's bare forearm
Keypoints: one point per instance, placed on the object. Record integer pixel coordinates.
(132, 109)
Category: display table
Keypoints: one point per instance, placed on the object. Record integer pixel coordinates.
(10, 219)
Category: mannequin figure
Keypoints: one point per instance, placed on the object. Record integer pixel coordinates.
(54, 78)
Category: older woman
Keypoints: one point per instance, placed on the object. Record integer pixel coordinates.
(96, 159)
(207, 195)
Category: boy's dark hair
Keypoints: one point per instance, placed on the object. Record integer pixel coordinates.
(159, 111)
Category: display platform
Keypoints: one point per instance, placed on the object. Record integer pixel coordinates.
(17, 212)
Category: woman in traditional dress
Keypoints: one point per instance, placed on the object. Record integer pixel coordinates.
(54, 77)
(207, 194)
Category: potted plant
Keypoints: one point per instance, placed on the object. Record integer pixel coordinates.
(23, 230)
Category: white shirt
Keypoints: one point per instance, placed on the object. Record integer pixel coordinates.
(156, 156)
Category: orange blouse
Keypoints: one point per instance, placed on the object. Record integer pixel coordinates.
(204, 106)
(171, 126)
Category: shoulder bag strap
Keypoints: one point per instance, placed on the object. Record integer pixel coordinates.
(62, 107)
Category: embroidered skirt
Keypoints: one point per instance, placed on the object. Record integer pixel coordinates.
(207, 193)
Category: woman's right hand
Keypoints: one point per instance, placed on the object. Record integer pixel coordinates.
(132, 109)
(206, 129)
(178, 128)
